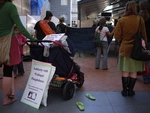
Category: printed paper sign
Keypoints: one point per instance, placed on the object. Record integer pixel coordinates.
(54, 37)
(39, 76)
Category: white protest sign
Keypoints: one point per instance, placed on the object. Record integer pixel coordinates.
(37, 82)
(45, 95)
(54, 37)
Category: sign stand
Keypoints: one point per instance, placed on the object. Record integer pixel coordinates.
(41, 73)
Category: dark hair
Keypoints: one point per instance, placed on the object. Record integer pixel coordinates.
(148, 3)
(15, 27)
(48, 14)
(144, 10)
(2, 2)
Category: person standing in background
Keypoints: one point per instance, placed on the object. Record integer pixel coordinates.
(95, 22)
(145, 13)
(45, 27)
(61, 27)
(9, 17)
(104, 32)
(19, 69)
(125, 30)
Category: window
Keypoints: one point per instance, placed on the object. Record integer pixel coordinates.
(64, 2)
(74, 1)
(74, 8)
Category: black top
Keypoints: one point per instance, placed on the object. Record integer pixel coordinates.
(62, 28)
(147, 25)
(109, 38)
(52, 25)
(40, 34)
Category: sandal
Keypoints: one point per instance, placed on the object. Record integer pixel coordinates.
(80, 105)
(90, 96)
(11, 96)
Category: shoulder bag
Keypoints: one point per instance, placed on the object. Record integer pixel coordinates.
(138, 51)
(5, 44)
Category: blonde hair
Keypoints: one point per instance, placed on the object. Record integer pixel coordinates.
(131, 6)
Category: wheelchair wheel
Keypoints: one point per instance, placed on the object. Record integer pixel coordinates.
(68, 90)
(80, 80)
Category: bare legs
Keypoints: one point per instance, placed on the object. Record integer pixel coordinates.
(12, 90)
(8, 89)
(129, 74)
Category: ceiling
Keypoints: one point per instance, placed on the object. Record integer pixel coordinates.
(90, 9)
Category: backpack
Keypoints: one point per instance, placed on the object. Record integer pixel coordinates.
(97, 41)
(58, 29)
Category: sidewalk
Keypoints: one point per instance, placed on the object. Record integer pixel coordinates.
(105, 85)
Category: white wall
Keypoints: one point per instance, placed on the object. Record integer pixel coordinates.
(30, 21)
(37, 18)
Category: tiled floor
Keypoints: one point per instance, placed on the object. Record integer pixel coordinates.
(105, 85)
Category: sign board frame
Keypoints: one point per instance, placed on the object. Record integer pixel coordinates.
(41, 74)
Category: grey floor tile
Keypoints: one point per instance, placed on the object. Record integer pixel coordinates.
(101, 98)
(41, 110)
(132, 109)
(143, 98)
(106, 102)
(88, 109)
(16, 107)
(140, 98)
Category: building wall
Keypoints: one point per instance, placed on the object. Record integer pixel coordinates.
(22, 6)
(58, 9)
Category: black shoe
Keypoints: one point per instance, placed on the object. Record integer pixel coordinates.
(20, 74)
(132, 82)
(124, 93)
(125, 81)
(131, 93)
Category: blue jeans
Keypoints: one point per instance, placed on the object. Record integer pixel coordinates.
(105, 55)
(146, 78)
